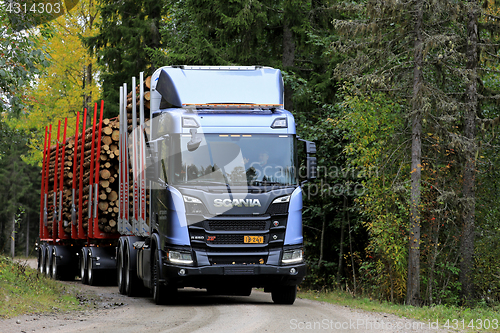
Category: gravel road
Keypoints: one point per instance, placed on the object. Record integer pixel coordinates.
(198, 312)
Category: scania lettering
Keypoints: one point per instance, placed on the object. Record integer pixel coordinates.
(236, 203)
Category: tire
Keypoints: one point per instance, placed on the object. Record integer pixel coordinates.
(55, 269)
(83, 265)
(41, 258)
(92, 275)
(120, 271)
(284, 294)
(162, 293)
(133, 285)
(48, 260)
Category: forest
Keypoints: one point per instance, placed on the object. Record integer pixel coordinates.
(401, 97)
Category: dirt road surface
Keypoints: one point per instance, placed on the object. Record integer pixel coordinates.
(198, 312)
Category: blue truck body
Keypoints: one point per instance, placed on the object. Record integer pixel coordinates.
(209, 190)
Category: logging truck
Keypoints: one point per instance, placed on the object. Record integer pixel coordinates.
(195, 184)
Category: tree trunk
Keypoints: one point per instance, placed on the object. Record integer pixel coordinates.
(433, 259)
(13, 237)
(341, 246)
(352, 254)
(469, 199)
(28, 235)
(413, 283)
(323, 217)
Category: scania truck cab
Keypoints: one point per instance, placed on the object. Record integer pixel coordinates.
(222, 171)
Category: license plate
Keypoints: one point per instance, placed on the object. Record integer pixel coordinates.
(254, 239)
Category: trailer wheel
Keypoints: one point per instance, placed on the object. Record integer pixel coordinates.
(284, 294)
(55, 269)
(83, 265)
(48, 260)
(120, 271)
(41, 258)
(91, 273)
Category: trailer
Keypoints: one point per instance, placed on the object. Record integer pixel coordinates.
(195, 184)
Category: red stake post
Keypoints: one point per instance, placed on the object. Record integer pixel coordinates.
(62, 234)
(45, 233)
(74, 213)
(54, 200)
(43, 207)
(81, 233)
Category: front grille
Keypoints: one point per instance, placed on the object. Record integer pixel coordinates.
(238, 260)
(278, 208)
(217, 225)
(239, 271)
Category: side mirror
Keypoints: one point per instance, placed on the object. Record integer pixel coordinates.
(311, 167)
(311, 161)
(310, 147)
(195, 141)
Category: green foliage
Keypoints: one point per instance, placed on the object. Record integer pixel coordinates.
(19, 183)
(23, 290)
(378, 50)
(242, 32)
(126, 31)
(20, 62)
(67, 85)
(446, 316)
(368, 123)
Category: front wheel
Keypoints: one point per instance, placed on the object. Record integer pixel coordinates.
(284, 294)
(162, 293)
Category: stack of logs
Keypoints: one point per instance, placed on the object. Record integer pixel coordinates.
(108, 171)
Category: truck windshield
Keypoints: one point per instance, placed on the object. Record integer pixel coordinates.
(235, 160)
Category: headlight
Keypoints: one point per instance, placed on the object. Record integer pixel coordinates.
(191, 199)
(292, 257)
(284, 199)
(279, 123)
(193, 205)
(179, 258)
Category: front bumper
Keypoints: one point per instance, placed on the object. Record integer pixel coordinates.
(257, 276)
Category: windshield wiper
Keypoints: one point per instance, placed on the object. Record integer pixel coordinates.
(207, 182)
(265, 182)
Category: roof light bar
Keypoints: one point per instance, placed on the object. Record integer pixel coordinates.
(235, 106)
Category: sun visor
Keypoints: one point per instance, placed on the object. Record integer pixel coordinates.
(187, 86)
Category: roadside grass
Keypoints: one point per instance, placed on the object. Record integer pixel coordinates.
(481, 318)
(23, 291)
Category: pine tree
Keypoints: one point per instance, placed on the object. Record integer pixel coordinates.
(129, 30)
(469, 183)
(19, 182)
(405, 50)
